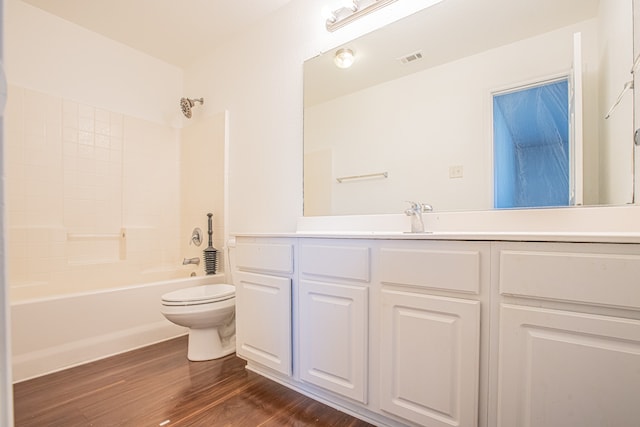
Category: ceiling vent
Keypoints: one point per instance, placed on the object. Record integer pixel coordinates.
(411, 58)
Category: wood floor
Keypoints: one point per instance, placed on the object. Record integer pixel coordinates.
(158, 386)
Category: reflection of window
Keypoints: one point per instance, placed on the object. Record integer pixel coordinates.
(531, 146)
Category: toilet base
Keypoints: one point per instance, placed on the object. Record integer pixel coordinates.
(205, 344)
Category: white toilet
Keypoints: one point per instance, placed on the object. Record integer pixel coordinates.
(209, 313)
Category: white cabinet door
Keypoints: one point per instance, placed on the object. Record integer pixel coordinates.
(263, 320)
(560, 369)
(429, 356)
(333, 337)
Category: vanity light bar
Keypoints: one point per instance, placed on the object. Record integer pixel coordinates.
(341, 17)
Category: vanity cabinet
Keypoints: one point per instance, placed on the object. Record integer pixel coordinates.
(434, 333)
(569, 334)
(263, 279)
(333, 311)
(430, 331)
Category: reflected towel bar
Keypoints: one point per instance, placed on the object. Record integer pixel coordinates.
(627, 86)
(371, 175)
(635, 65)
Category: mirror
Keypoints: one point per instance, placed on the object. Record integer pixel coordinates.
(413, 117)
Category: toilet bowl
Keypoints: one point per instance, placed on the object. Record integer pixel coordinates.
(209, 313)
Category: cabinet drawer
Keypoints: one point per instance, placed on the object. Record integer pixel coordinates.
(450, 270)
(610, 279)
(268, 257)
(342, 262)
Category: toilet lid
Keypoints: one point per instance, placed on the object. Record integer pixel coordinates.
(200, 294)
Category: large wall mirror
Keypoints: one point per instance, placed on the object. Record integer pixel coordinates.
(420, 113)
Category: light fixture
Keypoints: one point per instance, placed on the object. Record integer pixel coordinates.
(344, 15)
(344, 58)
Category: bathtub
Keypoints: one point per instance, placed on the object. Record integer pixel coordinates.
(55, 333)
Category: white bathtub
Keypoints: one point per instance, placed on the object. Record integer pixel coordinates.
(55, 333)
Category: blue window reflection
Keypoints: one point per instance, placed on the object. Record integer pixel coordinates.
(531, 146)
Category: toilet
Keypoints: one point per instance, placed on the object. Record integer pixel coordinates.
(209, 313)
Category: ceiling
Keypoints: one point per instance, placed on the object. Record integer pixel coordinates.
(175, 31)
(447, 31)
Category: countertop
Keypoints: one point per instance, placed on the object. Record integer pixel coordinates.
(587, 237)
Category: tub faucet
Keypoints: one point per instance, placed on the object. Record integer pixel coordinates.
(415, 212)
(188, 261)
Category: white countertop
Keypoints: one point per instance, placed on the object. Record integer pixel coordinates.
(476, 236)
(619, 224)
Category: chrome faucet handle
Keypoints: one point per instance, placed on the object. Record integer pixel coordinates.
(415, 206)
(196, 237)
(418, 207)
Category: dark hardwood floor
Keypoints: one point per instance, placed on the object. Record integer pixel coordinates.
(158, 386)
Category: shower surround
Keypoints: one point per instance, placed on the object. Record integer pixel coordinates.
(100, 209)
(93, 197)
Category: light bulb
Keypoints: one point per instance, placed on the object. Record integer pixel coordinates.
(344, 58)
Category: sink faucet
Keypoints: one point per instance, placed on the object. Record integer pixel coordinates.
(415, 212)
(188, 261)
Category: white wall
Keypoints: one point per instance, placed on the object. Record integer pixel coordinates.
(616, 133)
(6, 389)
(258, 79)
(56, 57)
(636, 99)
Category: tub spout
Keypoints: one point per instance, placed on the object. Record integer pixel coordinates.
(188, 261)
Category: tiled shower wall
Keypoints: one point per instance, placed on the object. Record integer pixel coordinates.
(93, 197)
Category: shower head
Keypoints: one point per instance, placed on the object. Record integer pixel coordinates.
(186, 104)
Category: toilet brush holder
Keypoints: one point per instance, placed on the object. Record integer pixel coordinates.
(210, 253)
